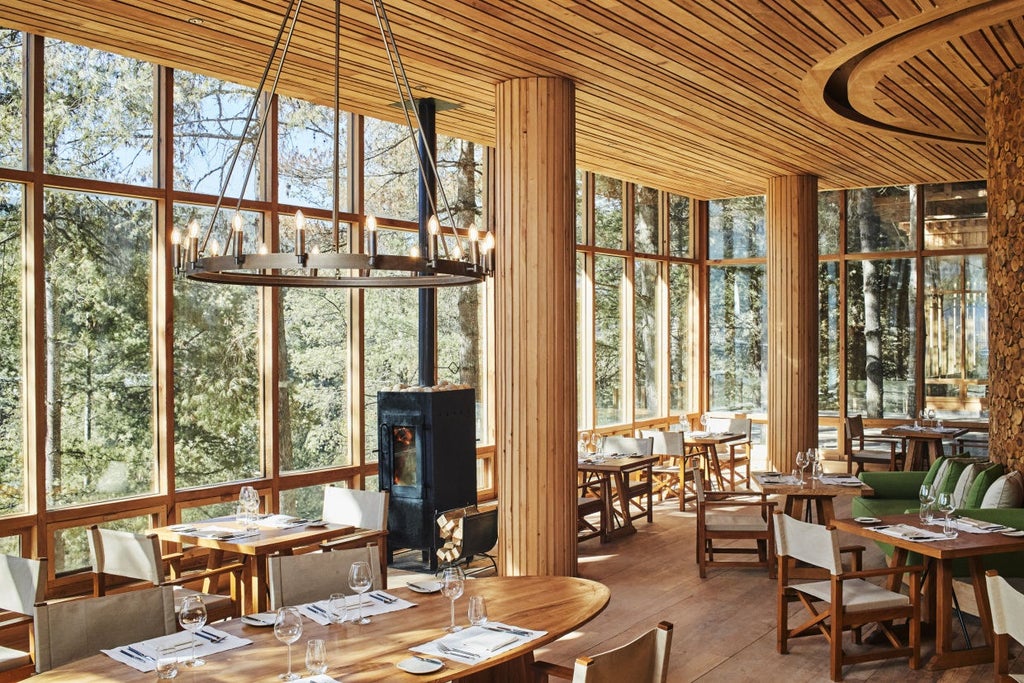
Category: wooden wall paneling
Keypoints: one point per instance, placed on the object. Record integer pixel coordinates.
(792, 281)
(535, 395)
(1006, 270)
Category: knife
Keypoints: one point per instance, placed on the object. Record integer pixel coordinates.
(141, 654)
(317, 608)
(387, 600)
(508, 629)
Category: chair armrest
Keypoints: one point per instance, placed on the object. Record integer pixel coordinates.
(173, 562)
(542, 670)
(891, 442)
(767, 504)
(357, 540)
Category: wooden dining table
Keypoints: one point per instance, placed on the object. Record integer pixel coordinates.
(924, 444)
(804, 500)
(616, 470)
(361, 653)
(255, 549)
(939, 556)
(704, 445)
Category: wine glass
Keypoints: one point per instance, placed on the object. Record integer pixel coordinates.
(249, 498)
(801, 462)
(192, 617)
(927, 497)
(931, 415)
(704, 421)
(947, 505)
(288, 629)
(360, 580)
(453, 581)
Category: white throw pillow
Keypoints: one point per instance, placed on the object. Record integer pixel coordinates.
(963, 484)
(1005, 492)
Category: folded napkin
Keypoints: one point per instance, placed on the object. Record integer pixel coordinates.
(787, 479)
(697, 435)
(840, 480)
(374, 602)
(477, 643)
(142, 655)
(224, 533)
(909, 533)
(281, 522)
(977, 526)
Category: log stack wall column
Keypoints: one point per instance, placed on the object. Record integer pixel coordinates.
(535, 330)
(792, 280)
(1006, 269)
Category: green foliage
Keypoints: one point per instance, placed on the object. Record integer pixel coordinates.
(12, 98)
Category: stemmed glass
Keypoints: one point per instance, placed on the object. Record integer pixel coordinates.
(453, 581)
(360, 580)
(288, 629)
(801, 462)
(249, 499)
(192, 617)
(931, 415)
(947, 505)
(704, 421)
(927, 497)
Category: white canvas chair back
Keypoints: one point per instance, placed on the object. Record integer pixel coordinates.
(740, 425)
(627, 445)
(664, 443)
(645, 660)
(1007, 607)
(22, 583)
(298, 579)
(355, 507)
(122, 553)
(73, 629)
(811, 543)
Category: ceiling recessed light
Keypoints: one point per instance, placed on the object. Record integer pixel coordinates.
(195, 20)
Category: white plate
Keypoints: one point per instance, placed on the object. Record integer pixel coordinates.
(1014, 532)
(867, 520)
(424, 586)
(418, 666)
(261, 619)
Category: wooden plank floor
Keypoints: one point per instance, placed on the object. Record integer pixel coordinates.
(724, 624)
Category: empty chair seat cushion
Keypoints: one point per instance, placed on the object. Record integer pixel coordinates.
(858, 594)
(734, 522)
(13, 659)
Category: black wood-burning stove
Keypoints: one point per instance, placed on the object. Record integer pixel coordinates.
(427, 462)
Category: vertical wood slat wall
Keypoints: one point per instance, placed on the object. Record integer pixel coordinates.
(535, 294)
(792, 283)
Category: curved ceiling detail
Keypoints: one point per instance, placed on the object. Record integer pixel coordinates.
(930, 81)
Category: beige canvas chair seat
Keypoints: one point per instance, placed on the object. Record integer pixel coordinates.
(858, 594)
(644, 660)
(298, 579)
(669, 476)
(734, 522)
(1007, 605)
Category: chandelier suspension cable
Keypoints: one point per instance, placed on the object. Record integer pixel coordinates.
(405, 97)
(297, 5)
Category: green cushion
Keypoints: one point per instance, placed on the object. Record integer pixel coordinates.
(933, 471)
(981, 483)
(949, 473)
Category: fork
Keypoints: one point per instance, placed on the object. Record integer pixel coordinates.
(455, 651)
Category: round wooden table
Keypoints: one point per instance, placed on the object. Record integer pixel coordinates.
(558, 605)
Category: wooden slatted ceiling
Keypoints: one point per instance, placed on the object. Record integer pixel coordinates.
(703, 98)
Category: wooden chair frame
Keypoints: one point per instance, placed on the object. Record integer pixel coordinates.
(730, 500)
(862, 455)
(617, 664)
(1007, 607)
(830, 619)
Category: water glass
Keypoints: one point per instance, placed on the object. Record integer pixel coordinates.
(337, 608)
(316, 656)
(477, 610)
(167, 662)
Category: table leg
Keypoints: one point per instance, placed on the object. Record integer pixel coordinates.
(945, 656)
(826, 511)
(626, 527)
(711, 456)
(935, 451)
(916, 451)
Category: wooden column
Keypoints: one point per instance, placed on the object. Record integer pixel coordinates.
(535, 333)
(1006, 269)
(792, 280)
